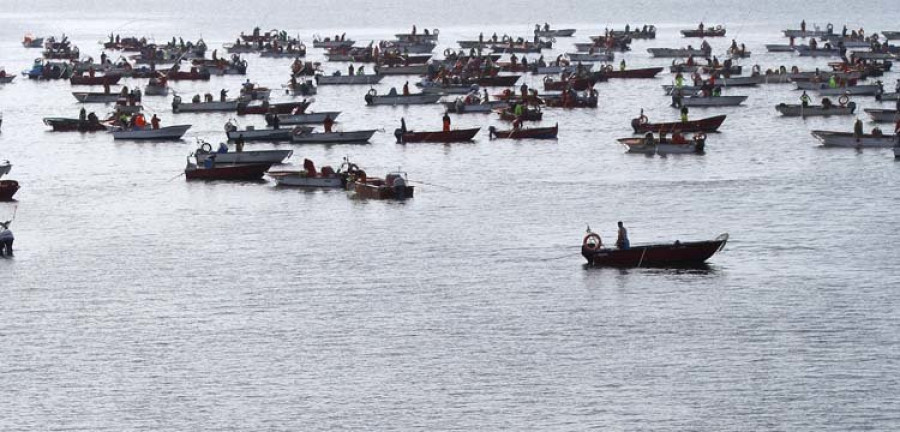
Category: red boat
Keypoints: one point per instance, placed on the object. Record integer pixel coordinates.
(529, 114)
(532, 133)
(393, 186)
(279, 108)
(215, 171)
(498, 81)
(677, 254)
(8, 188)
(609, 72)
(458, 135)
(711, 124)
(192, 75)
(95, 80)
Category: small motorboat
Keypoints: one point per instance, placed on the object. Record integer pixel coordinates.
(677, 52)
(95, 80)
(60, 124)
(553, 33)
(157, 87)
(883, 115)
(779, 48)
(609, 72)
(524, 133)
(456, 135)
(310, 178)
(798, 110)
(205, 151)
(591, 57)
(676, 145)
(849, 139)
(348, 79)
(393, 98)
(711, 101)
(395, 185)
(473, 104)
(178, 106)
(250, 133)
(304, 88)
(168, 133)
(209, 169)
(302, 119)
(402, 70)
(329, 43)
(702, 32)
(340, 137)
(706, 125)
(677, 254)
(857, 90)
(276, 108)
(97, 97)
(5, 168)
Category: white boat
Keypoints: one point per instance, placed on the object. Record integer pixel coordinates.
(89, 97)
(554, 70)
(5, 167)
(653, 146)
(307, 118)
(250, 133)
(698, 101)
(779, 48)
(677, 52)
(243, 157)
(591, 58)
(815, 110)
(847, 139)
(362, 136)
(303, 179)
(393, 98)
(348, 79)
(887, 96)
(161, 134)
(554, 33)
(805, 51)
(857, 90)
(181, 107)
(332, 44)
(746, 81)
(882, 115)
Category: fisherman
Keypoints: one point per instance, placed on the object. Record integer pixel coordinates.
(239, 143)
(684, 114)
(406, 88)
(804, 99)
(858, 129)
(223, 94)
(524, 90)
(622, 241)
(350, 70)
(832, 82)
(803, 26)
(403, 125)
(154, 122)
(446, 122)
(6, 239)
(679, 80)
(328, 123)
(519, 110)
(82, 116)
(276, 122)
(223, 148)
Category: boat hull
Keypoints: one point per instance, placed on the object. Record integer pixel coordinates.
(882, 115)
(72, 125)
(300, 179)
(458, 135)
(532, 133)
(815, 110)
(8, 189)
(416, 99)
(246, 157)
(710, 124)
(348, 80)
(301, 119)
(333, 137)
(261, 134)
(169, 133)
(227, 172)
(228, 106)
(716, 101)
(847, 139)
(677, 254)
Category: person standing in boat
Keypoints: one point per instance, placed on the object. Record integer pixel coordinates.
(858, 129)
(328, 123)
(6, 239)
(154, 122)
(622, 241)
(684, 114)
(82, 116)
(804, 99)
(446, 122)
(622, 65)
(406, 88)
(239, 143)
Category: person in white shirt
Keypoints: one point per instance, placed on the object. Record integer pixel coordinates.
(6, 239)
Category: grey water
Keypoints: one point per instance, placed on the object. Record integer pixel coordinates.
(138, 301)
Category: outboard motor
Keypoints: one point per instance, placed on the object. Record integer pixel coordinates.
(398, 133)
(399, 187)
(176, 101)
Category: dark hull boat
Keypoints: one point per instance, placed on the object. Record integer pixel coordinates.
(710, 124)
(100, 80)
(631, 73)
(278, 108)
(532, 133)
(678, 254)
(227, 171)
(72, 125)
(8, 188)
(458, 135)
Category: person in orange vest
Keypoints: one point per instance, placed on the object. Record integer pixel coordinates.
(446, 122)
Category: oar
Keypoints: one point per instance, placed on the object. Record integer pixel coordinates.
(173, 178)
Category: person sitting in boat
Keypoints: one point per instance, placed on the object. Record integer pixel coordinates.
(208, 97)
(6, 239)
(734, 46)
(223, 148)
(195, 99)
(876, 132)
(622, 241)
(546, 27)
(92, 118)
(804, 99)
(649, 140)
(717, 91)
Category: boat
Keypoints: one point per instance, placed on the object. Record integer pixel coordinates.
(392, 98)
(857, 90)
(591, 57)
(29, 41)
(250, 133)
(348, 137)
(157, 86)
(676, 254)
(348, 79)
(306, 118)
(303, 88)
(713, 101)
(8, 189)
(529, 114)
(49, 70)
(6, 79)
(193, 75)
(883, 115)
(210, 170)
(277, 108)
(550, 33)
(677, 52)
(779, 48)
(205, 151)
(574, 82)
(402, 70)
(798, 33)
(709, 124)
(806, 51)
(310, 178)
(883, 97)
(661, 146)
(815, 110)
(646, 32)
(524, 133)
(59, 124)
(95, 80)
(456, 135)
(168, 133)
(5, 168)
(395, 185)
(95, 97)
(848, 139)
(609, 72)
(717, 31)
(329, 43)
(476, 105)
(213, 106)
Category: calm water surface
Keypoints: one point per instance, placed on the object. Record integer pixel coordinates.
(141, 303)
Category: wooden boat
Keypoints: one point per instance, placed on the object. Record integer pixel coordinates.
(348, 79)
(630, 73)
(306, 118)
(586, 99)
(651, 145)
(95, 80)
(554, 33)
(215, 106)
(278, 108)
(677, 254)
(348, 137)
(265, 134)
(717, 31)
(8, 189)
(576, 83)
(714, 101)
(779, 48)
(847, 139)
(393, 98)
(676, 52)
(883, 115)
(217, 171)
(815, 110)
(707, 69)
(649, 33)
(193, 75)
(59, 124)
(394, 186)
(95, 97)
(524, 133)
(529, 114)
(311, 178)
(456, 135)
(709, 124)
(205, 152)
(168, 133)
(497, 81)
(460, 106)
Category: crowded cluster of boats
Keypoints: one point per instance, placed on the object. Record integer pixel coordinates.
(482, 76)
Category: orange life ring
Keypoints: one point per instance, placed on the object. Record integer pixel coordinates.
(592, 245)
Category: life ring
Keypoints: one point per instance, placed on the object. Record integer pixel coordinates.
(700, 136)
(372, 92)
(592, 242)
(756, 69)
(436, 32)
(719, 27)
(547, 80)
(447, 52)
(206, 147)
(643, 119)
(843, 100)
(608, 68)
